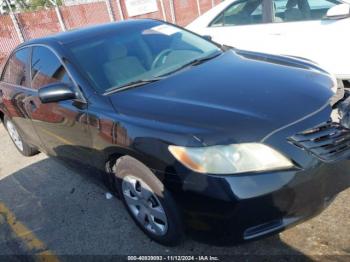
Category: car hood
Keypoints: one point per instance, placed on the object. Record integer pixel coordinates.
(239, 96)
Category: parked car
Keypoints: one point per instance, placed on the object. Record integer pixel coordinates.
(313, 29)
(192, 136)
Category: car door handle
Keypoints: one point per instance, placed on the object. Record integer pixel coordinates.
(276, 34)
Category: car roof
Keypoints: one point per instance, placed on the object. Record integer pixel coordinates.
(87, 32)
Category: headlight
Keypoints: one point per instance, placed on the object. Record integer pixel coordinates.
(231, 159)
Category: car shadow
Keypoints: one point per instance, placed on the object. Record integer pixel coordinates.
(63, 205)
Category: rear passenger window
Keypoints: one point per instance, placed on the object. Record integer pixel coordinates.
(15, 70)
(46, 68)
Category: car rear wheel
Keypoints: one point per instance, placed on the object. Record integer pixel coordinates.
(17, 139)
(148, 202)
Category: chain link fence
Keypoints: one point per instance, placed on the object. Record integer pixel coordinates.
(22, 20)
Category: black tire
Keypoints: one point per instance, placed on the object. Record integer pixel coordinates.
(126, 166)
(26, 150)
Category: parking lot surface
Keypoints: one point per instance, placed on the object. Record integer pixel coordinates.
(47, 207)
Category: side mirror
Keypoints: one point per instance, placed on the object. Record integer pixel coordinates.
(56, 92)
(207, 37)
(339, 12)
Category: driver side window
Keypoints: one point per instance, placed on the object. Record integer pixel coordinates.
(46, 68)
(244, 12)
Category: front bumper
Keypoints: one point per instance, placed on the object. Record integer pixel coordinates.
(247, 207)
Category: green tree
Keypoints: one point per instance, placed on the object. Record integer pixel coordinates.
(37, 4)
(29, 5)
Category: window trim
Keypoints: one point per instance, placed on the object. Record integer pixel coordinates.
(26, 67)
(265, 20)
(268, 11)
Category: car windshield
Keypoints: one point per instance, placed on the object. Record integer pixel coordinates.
(140, 54)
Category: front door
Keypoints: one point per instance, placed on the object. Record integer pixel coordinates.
(62, 126)
(244, 24)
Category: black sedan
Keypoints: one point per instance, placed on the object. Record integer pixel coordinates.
(192, 136)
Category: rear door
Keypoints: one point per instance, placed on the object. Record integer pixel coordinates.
(16, 94)
(301, 20)
(62, 126)
(299, 29)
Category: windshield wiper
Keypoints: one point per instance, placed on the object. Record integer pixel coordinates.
(194, 62)
(132, 84)
(201, 60)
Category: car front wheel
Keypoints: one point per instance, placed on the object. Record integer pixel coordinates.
(148, 202)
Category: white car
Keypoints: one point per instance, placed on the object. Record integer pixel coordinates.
(318, 30)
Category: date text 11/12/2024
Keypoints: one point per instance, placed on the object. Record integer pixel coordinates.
(173, 258)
